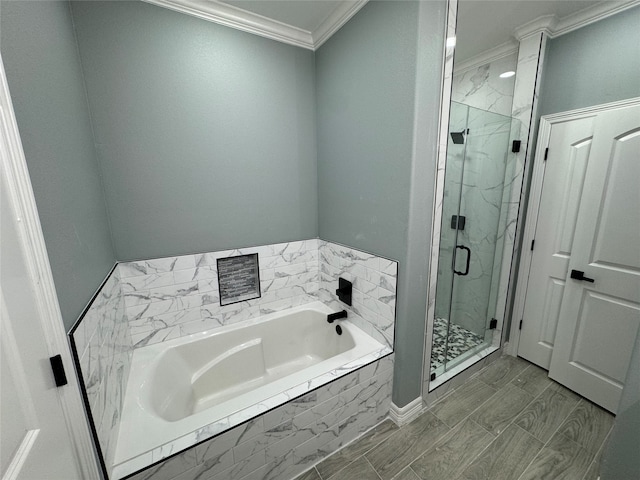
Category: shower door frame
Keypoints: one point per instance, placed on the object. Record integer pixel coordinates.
(525, 104)
(457, 187)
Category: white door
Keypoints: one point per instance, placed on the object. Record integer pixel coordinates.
(34, 441)
(600, 315)
(564, 176)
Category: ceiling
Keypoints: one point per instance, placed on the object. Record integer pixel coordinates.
(304, 14)
(484, 24)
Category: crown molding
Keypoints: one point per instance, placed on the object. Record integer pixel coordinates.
(545, 24)
(234, 17)
(335, 21)
(488, 56)
(230, 16)
(555, 27)
(591, 15)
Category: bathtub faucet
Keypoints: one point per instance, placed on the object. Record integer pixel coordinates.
(332, 317)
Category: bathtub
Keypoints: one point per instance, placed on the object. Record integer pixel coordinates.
(183, 391)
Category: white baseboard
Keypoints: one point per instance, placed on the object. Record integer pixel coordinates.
(402, 416)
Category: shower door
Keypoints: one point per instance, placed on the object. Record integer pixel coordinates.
(477, 188)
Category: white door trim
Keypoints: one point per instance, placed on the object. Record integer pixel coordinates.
(535, 191)
(13, 165)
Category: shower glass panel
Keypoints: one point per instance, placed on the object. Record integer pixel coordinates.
(476, 194)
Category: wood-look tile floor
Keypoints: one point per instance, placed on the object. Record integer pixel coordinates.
(507, 422)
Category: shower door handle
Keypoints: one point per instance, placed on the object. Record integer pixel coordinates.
(466, 268)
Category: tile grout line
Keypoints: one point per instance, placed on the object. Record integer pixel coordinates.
(414, 472)
(550, 438)
(544, 445)
(470, 413)
(372, 467)
(361, 455)
(595, 456)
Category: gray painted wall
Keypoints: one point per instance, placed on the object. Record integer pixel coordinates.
(596, 64)
(41, 60)
(375, 172)
(620, 459)
(205, 134)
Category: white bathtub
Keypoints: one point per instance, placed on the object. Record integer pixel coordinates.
(183, 390)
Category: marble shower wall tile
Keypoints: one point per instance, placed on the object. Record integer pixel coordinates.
(525, 104)
(291, 438)
(374, 281)
(172, 297)
(103, 344)
(481, 87)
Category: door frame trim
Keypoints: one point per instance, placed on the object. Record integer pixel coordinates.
(534, 196)
(22, 202)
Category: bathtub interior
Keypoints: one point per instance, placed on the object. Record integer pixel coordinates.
(189, 378)
(179, 393)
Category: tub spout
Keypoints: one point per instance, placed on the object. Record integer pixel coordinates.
(336, 316)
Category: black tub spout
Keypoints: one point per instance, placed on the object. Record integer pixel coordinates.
(332, 317)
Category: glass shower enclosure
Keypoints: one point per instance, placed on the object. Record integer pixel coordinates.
(474, 219)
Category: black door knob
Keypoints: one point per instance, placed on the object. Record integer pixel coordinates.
(579, 275)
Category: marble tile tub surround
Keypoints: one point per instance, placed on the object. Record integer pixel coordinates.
(288, 439)
(172, 297)
(151, 301)
(103, 350)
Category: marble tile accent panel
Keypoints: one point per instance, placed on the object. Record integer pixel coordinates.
(173, 297)
(284, 438)
(257, 449)
(374, 288)
(103, 345)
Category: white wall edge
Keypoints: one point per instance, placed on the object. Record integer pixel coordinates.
(403, 415)
(21, 196)
(335, 21)
(240, 19)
